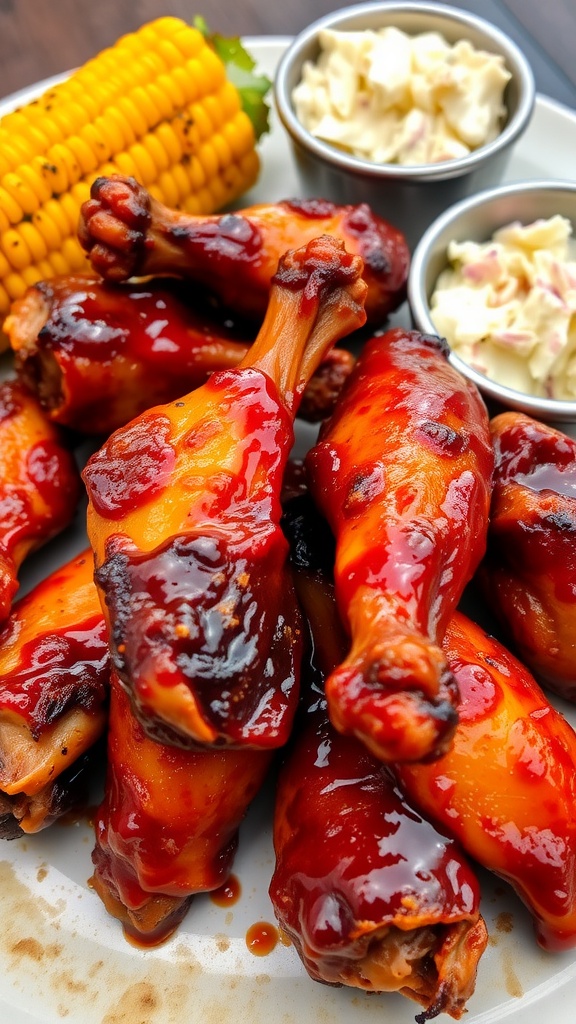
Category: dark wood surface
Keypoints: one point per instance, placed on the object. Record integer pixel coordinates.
(42, 37)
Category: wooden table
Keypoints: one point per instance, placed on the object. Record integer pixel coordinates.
(42, 37)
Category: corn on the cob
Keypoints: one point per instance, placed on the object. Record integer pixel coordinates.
(158, 106)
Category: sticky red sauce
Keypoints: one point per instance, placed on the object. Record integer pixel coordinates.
(227, 894)
(261, 938)
(57, 672)
(132, 467)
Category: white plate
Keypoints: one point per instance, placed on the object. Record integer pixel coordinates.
(62, 958)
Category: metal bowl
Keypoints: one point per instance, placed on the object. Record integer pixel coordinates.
(476, 219)
(408, 196)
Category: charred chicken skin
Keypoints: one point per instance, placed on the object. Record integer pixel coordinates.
(402, 473)
(371, 895)
(507, 788)
(54, 680)
(168, 824)
(184, 512)
(39, 484)
(98, 354)
(127, 233)
(529, 573)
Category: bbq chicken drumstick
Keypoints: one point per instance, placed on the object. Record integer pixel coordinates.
(168, 825)
(39, 484)
(507, 788)
(529, 572)
(127, 233)
(402, 473)
(184, 519)
(54, 683)
(98, 354)
(371, 895)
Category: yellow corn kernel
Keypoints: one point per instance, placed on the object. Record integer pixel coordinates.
(73, 254)
(169, 141)
(12, 210)
(21, 192)
(84, 154)
(156, 106)
(31, 276)
(70, 208)
(58, 264)
(196, 173)
(133, 115)
(4, 299)
(141, 97)
(34, 241)
(125, 165)
(45, 269)
(146, 171)
(15, 285)
(209, 159)
(97, 142)
(188, 41)
(15, 249)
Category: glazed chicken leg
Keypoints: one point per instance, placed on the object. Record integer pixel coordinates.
(529, 572)
(402, 473)
(168, 825)
(98, 354)
(371, 895)
(127, 233)
(54, 681)
(39, 484)
(507, 788)
(184, 511)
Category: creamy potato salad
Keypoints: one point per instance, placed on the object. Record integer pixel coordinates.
(508, 307)
(388, 97)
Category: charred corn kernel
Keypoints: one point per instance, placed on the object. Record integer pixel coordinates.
(156, 106)
(31, 175)
(15, 249)
(55, 176)
(196, 174)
